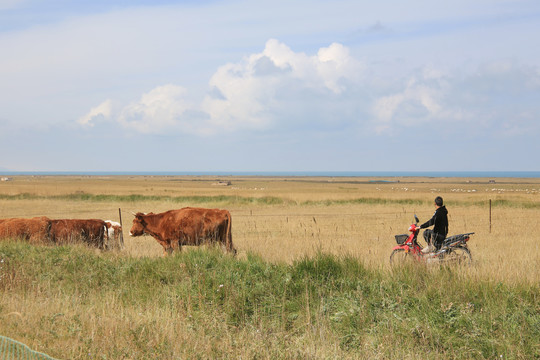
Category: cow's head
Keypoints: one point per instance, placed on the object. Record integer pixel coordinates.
(138, 225)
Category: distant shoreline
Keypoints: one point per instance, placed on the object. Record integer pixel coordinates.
(344, 174)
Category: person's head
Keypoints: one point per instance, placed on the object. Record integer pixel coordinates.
(439, 201)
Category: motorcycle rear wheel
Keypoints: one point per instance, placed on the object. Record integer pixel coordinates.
(400, 256)
(458, 255)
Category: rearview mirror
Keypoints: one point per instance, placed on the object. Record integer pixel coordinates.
(416, 218)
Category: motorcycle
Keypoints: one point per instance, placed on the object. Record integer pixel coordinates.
(454, 249)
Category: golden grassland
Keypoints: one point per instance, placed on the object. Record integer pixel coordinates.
(134, 304)
(305, 215)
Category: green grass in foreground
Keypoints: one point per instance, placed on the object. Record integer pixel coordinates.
(203, 303)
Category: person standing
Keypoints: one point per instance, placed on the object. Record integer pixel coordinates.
(435, 237)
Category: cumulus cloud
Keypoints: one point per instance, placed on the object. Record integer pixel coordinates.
(495, 98)
(263, 90)
(101, 112)
(416, 103)
(278, 81)
(279, 89)
(157, 111)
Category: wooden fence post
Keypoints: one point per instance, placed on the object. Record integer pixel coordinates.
(490, 216)
(121, 232)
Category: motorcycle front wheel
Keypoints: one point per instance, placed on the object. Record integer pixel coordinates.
(458, 255)
(400, 256)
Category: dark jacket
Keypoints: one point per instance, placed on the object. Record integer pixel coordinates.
(440, 220)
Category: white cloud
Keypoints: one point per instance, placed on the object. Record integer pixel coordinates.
(278, 89)
(263, 90)
(335, 64)
(278, 81)
(101, 112)
(157, 111)
(417, 103)
(495, 99)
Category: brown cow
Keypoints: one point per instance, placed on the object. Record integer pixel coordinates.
(187, 226)
(34, 230)
(90, 231)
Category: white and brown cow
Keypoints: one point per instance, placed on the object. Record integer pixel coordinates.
(116, 238)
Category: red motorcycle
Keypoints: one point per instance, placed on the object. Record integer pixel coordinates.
(454, 249)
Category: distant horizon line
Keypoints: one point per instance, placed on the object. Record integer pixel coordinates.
(451, 173)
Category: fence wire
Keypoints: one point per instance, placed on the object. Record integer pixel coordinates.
(13, 350)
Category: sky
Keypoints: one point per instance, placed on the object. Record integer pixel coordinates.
(211, 85)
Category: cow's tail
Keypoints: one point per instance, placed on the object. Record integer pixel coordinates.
(228, 235)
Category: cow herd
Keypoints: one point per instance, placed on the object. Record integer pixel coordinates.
(42, 230)
(172, 229)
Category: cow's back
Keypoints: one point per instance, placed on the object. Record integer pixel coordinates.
(90, 231)
(193, 226)
(60, 231)
(39, 229)
(34, 230)
(10, 228)
(185, 225)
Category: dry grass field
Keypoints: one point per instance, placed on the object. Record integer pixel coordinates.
(296, 289)
(283, 219)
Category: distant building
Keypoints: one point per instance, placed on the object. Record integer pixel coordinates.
(222, 183)
(5, 179)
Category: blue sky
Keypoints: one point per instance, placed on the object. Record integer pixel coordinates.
(269, 85)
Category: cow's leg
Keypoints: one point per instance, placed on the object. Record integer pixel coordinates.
(167, 249)
(175, 246)
(170, 246)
